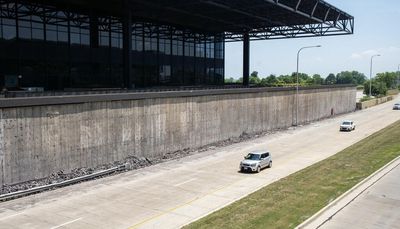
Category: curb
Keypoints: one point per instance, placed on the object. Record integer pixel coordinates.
(335, 206)
(22, 193)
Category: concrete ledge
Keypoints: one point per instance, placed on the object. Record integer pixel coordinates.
(77, 99)
(373, 102)
(328, 212)
(393, 92)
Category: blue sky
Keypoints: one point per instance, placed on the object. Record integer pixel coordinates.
(377, 31)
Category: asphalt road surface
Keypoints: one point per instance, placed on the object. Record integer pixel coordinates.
(172, 194)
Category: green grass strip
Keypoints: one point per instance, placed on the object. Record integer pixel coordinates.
(291, 200)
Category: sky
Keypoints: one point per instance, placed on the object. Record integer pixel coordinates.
(377, 31)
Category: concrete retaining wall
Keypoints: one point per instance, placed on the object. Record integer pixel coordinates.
(39, 140)
(373, 102)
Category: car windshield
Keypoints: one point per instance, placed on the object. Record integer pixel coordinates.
(397, 104)
(252, 156)
(346, 123)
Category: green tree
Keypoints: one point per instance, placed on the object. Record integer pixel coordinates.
(317, 79)
(286, 79)
(331, 79)
(377, 87)
(303, 78)
(254, 74)
(359, 77)
(353, 77)
(255, 80)
(271, 80)
(230, 80)
(389, 78)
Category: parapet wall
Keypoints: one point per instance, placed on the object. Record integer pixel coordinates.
(40, 136)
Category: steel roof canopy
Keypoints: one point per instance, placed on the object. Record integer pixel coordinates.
(263, 19)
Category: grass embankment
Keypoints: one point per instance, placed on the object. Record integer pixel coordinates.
(290, 201)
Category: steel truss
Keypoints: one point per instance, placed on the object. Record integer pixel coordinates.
(200, 19)
(262, 19)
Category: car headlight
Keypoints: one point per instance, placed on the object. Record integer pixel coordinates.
(253, 165)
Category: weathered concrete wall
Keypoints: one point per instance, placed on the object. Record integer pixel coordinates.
(373, 102)
(37, 141)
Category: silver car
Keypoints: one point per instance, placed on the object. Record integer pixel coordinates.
(396, 106)
(347, 126)
(255, 161)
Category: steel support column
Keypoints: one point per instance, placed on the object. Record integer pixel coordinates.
(127, 47)
(246, 59)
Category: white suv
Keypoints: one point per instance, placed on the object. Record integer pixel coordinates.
(347, 126)
(255, 161)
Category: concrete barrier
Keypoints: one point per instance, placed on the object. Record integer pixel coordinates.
(373, 102)
(393, 92)
(76, 132)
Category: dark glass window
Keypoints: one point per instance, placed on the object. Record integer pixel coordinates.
(104, 38)
(116, 39)
(56, 26)
(165, 46)
(210, 49)
(200, 49)
(165, 73)
(24, 30)
(219, 50)
(168, 60)
(137, 43)
(80, 30)
(189, 47)
(116, 34)
(177, 46)
(62, 33)
(51, 33)
(103, 29)
(57, 32)
(137, 37)
(37, 31)
(9, 31)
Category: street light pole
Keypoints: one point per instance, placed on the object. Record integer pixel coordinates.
(370, 75)
(398, 75)
(297, 79)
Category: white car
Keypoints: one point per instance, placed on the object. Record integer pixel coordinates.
(396, 106)
(347, 126)
(255, 161)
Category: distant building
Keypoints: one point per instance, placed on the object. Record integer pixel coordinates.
(64, 44)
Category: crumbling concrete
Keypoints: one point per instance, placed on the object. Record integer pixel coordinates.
(37, 141)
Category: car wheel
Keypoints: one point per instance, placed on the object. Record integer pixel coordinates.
(258, 169)
(270, 164)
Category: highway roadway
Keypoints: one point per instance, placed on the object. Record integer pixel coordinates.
(174, 193)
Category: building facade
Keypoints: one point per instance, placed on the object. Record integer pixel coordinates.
(75, 44)
(59, 47)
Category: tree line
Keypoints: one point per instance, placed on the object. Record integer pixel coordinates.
(380, 84)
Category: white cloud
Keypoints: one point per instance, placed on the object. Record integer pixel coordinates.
(368, 53)
(393, 49)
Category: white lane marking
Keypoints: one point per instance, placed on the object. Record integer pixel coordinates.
(69, 222)
(185, 182)
(6, 217)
